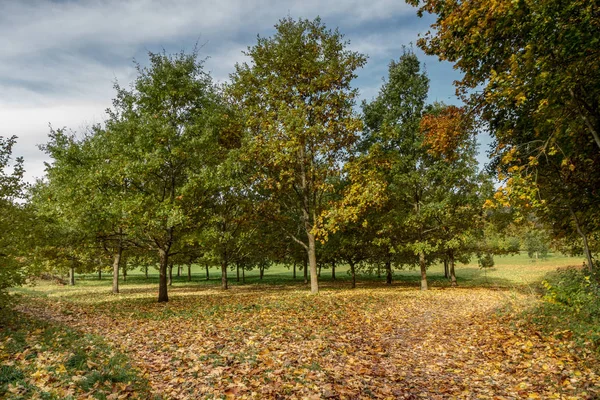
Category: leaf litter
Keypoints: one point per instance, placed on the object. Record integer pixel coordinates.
(387, 343)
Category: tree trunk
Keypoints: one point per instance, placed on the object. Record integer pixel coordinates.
(294, 269)
(423, 270)
(179, 271)
(207, 275)
(388, 271)
(116, 268)
(189, 272)
(353, 273)
(261, 271)
(170, 275)
(306, 270)
(586, 247)
(100, 273)
(452, 273)
(224, 276)
(312, 261)
(72, 274)
(333, 270)
(319, 271)
(163, 296)
(237, 270)
(243, 274)
(124, 268)
(378, 270)
(146, 271)
(446, 270)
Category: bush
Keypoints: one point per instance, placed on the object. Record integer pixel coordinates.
(486, 261)
(572, 301)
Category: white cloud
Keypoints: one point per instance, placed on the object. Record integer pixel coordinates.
(59, 59)
(30, 124)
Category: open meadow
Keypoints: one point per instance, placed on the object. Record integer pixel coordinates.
(275, 340)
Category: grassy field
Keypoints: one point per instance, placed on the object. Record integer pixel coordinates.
(510, 271)
(277, 341)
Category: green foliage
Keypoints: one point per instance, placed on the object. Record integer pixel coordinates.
(486, 261)
(297, 104)
(14, 219)
(572, 305)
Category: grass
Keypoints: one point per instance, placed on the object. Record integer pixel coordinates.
(511, 271)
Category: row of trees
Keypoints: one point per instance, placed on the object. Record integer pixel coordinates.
(278, 166)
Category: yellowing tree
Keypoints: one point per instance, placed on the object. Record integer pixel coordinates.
(298, 106)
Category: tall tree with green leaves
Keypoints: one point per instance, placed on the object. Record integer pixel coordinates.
(81, 192)
(297, 101)
(450, 139)
(13, 216)
(393, 132)
(161, 138)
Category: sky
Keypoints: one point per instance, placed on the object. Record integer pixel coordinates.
(60, 58)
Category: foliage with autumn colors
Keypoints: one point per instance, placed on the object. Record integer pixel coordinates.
(531, 72)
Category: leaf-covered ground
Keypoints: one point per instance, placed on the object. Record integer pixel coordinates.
(394, 343)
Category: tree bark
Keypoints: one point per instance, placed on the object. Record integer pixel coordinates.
(189, 272)
(224, 276)
(446, 270)
(261, 271)
(452, 273)
(586, 247)
(146, 271)
(423, 270)
(587, 121)
(312, 260)
(388, 271)
(116, 268)
(72, 274)
(100, 273)
(294, 270)
(333, 270)
(170, 275)
(319, 271)
(163, 296)
(306, 270)
(237, 270)
(124, 269)
(353, 273)
(243, 274)
(207, 275)
(179, 270)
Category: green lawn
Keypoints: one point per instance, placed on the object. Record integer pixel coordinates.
(509, 271)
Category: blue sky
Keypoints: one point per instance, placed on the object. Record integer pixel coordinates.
(60, 58)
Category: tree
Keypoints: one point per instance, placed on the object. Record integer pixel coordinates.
(81, 191)
(449, 137)
(532, 73)
(14, 217)
(298, 106)
(160, 139)
(393, 132)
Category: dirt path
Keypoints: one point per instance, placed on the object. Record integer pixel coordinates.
(381, 343)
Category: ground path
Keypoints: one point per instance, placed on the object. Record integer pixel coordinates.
(394, 343)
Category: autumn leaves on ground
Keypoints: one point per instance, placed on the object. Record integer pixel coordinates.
(278, 341)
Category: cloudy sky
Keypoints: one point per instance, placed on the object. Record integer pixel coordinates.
(60, 58)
